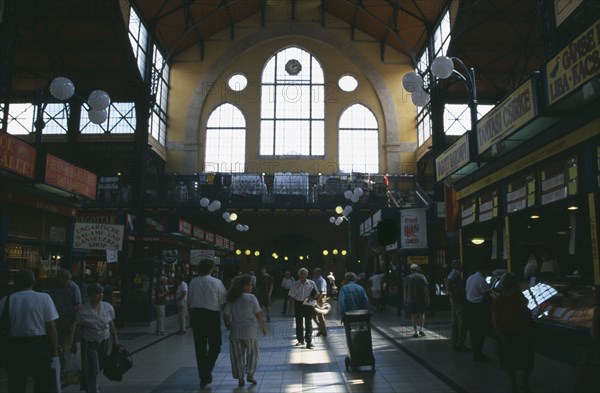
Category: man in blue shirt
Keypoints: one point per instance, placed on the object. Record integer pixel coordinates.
(352, 296)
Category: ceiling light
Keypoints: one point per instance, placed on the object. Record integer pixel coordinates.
(325, 252)
(572, 208)
(339, 209)
(534, 216)
(477, 240)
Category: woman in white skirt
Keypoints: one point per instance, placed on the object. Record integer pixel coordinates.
(242, 311)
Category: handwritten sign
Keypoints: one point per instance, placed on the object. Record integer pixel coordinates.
(17, 156)
(98, 236)
(574, 65)
(197, 255)
(453, 158)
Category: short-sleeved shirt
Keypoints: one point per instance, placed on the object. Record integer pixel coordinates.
(476, 288)
(95, 326)
(206, 292)
(243, 317)
(181, 288)
(321, 285)
(416, 285)
(29, 311)
(302, 290)
(67, 299)
(286, 283)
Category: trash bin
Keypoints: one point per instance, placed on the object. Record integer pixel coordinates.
(358, 337)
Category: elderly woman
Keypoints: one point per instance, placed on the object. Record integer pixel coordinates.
(242, 311)
(95, 327)
(515, 330)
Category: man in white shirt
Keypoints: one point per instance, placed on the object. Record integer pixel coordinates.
(206, 299)
(377, 290)
(32, 344)
(300, 291)
(181, 302)
(478, 310)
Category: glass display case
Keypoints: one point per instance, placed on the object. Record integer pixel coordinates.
(562, 303)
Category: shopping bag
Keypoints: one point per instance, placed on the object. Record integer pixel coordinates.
(117, 363)
(71, 370)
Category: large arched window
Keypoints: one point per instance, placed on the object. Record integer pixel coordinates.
(292, 105)
(358, 140)
(225, 140)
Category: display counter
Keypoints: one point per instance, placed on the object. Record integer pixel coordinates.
(562, 303)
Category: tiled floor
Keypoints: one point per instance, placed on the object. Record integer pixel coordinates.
(166, 364)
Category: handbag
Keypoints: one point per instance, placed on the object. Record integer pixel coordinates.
(4, 331)
(117, 363)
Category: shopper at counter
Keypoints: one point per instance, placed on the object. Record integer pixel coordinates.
(515, 330)
(478, 310)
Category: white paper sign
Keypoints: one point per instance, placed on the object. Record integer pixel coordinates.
(98, 236)
(413, 224)
(197, 255)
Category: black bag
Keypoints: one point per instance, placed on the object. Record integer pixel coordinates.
(117, 363)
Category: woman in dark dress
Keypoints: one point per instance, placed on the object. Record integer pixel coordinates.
(515, 330)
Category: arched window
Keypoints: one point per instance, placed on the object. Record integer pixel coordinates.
(358, 140)
(292, 105)
(225, 140)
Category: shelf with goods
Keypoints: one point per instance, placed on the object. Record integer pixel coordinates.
(18, 257)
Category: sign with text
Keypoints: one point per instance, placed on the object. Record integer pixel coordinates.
(453, 158)
(98, 236)
(185, 228)
(69, 177)
(17, 156)
(413, 226)
(197, 255)
(576, 64)
(507, 117)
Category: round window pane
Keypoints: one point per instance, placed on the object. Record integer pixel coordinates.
(348, 83)
(238, 82)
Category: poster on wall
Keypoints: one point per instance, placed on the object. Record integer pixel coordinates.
(98, 236)
(413, 225)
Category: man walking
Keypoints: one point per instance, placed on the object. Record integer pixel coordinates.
(31, 347)
(286, 284)
(321, 298)
(352, 296)
(416, 298)
(458, 306)
(264, 289)
(206, 299)
(181, 302)
(300, 291)
(67, 300)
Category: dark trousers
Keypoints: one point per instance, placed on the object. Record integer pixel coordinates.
(206, 325)
(304, 317)
(458, 317)
(29, 356)
(286, 299)
(477, 314)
